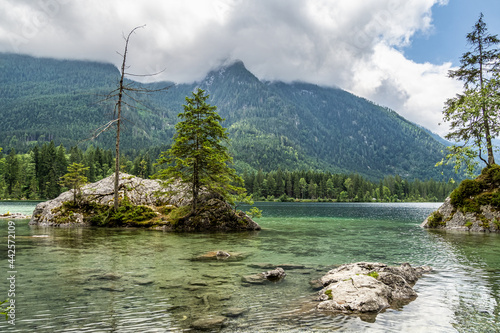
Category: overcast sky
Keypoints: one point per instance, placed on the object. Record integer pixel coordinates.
(394, 52)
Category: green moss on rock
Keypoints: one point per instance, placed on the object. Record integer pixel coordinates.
(473, 205)
(213, 214)
(436, 219)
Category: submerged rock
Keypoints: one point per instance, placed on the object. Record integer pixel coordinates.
(209, 323)
(367, 287)
(274, 275)
(234, 312)
(218, 255)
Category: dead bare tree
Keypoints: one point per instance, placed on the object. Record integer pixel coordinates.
(123, 89)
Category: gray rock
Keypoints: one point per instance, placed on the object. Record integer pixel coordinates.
(222, 254)
(275, 274)
(359, 293)
(344, 272)
(316, 284)
(139, 191)
(254, 279)
(234, 312)
(364, 287)
(454, 219)
(218, 255)
(209, 323)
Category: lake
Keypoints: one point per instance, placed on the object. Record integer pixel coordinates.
(129, 280)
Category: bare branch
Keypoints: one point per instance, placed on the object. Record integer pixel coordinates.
(153, 74)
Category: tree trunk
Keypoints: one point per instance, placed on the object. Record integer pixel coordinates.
(489, 146)
(118, 122)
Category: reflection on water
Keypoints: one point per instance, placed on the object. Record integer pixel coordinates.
(128, 280)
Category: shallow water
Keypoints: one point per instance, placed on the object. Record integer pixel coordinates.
(116, 280)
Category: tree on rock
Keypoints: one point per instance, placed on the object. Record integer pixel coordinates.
(75, 179)
(126, 96)
(473, 115)
(199, 156)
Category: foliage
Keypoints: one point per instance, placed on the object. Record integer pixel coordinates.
(75, 179)
(435, 219)
(484, 190)
(373, 274)
(198, 155)
(178, 213)
(126, 214)
(463, 159)
(473, 115)
(254, 212)
(467, 189)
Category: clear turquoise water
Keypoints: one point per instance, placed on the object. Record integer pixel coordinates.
(60, 285)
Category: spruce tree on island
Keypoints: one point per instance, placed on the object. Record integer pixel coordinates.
(199, 156)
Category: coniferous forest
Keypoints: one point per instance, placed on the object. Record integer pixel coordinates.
(36, 176)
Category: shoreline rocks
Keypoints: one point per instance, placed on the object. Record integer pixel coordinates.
(16, 216)
(473, 206)
(368, 288)
(448, 217)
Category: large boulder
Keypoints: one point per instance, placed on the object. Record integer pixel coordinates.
(363, 287)
(139, 191)
(473, 206)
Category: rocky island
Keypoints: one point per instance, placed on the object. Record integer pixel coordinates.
(366, 288)
(473, 206)
(143, 203)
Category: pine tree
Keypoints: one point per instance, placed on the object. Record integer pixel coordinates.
(198, 156)
(74, 179)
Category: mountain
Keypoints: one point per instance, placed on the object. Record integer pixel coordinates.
(271, 124)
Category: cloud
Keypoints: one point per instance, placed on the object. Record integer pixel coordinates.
(350, 44)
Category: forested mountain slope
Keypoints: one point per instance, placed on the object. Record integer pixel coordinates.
(271, 124)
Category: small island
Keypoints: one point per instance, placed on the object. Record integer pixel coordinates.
(473, 206)
(145, 203)
(194, 191)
